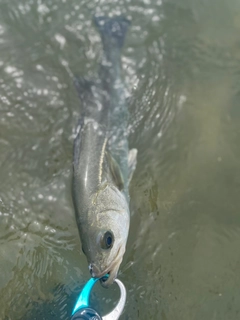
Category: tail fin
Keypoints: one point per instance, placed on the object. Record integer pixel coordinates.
(84, 88)
(112, 29)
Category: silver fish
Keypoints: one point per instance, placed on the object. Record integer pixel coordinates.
(103, 165)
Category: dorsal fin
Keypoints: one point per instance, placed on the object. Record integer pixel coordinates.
(115, 171)
(77, 143)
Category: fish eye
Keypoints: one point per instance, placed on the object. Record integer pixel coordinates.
(107, 240)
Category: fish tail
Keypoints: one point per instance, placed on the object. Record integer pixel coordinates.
(84, 88)
(112, 30)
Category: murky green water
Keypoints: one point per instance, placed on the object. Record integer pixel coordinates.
(182, 69)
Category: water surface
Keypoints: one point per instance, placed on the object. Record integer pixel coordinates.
(181, 64)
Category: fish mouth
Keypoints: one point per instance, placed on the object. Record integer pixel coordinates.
(111, 271)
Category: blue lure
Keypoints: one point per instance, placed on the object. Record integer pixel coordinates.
(83, 299)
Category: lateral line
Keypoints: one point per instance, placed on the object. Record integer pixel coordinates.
(101, 161)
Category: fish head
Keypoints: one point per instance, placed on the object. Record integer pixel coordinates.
(105, 241)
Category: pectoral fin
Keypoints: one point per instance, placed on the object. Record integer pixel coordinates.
(115, 171)
(132, 163)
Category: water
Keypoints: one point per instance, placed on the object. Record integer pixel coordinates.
(182, 70)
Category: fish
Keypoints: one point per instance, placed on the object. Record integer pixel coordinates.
(103, 165)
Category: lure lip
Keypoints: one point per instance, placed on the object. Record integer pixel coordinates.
(83, 300)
